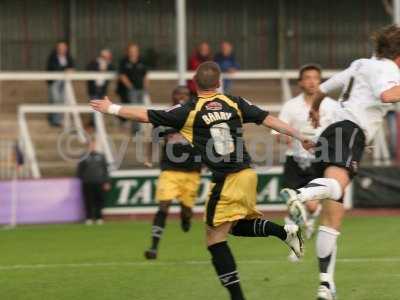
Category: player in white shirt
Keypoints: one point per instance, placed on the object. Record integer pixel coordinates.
(369, 86)
(298, 170)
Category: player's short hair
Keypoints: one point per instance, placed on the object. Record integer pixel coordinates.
(387, 42)
(309, 67)
(207, 76)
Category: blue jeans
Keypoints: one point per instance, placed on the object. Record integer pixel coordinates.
(391, 118)
(136, 97)
(56, 96)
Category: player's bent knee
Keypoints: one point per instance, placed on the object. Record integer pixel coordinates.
(336, 190)
(312, 206)
(217, 234)
(332, 214)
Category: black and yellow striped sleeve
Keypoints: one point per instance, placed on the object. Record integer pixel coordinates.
(174, 117)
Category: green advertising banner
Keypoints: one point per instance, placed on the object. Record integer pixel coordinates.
(134, 191)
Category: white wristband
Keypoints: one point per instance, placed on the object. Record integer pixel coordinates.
(114, 109)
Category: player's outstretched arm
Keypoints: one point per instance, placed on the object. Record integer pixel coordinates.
(284, 128)
(107, 107)
(391, 95)
(314, 111)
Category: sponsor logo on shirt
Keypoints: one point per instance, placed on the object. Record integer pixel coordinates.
(393, 82)
(214, 106)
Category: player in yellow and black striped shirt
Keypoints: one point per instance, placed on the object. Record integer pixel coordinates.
(179, 179)
(213, 123)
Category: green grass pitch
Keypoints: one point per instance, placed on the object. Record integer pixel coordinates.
(79, 262)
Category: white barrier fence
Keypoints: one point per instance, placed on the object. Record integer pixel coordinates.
(71, 109)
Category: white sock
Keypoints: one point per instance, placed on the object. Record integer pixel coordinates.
(320, 189)
(326, 252)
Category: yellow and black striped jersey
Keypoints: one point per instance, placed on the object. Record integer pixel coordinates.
(215, 126)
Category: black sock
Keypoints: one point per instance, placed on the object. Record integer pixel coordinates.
(158, 228)
(258, 228)
(225, 265)
(323, 267)
(186, 216)
(324, 263)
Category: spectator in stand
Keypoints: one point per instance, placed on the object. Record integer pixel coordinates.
(58, 60)
(202, 54)
(132, 82)
(95, 182)
(227, 62)
(97, 89)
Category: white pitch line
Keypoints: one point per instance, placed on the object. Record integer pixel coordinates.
(189, 262)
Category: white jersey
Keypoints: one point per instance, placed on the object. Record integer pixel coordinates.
(364, 107)
(295, 112)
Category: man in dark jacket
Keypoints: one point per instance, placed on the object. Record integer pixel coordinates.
(59, 60)
(133, 82)
(97, 89)
(93, 172)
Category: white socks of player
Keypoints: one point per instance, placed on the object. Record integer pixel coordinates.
(320, 189)
(326, 252)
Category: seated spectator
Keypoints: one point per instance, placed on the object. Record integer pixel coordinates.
(97, 89)
(58, 60)
(202, 54)
(132, 81)
(227, 62)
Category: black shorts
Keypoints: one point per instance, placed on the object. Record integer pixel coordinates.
(340, 144)
(294, 175)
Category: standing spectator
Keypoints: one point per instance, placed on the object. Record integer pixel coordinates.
(97, 89)
(132, 83)
(202, 54)
(58, 60)
(227, 62)
(94, 176)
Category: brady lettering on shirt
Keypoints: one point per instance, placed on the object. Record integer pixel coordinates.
(231, 208)
(215, 116)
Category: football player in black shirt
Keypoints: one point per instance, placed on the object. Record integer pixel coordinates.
(180, 176)
(213, 123)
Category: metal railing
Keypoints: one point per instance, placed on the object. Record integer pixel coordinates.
(380, 149)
